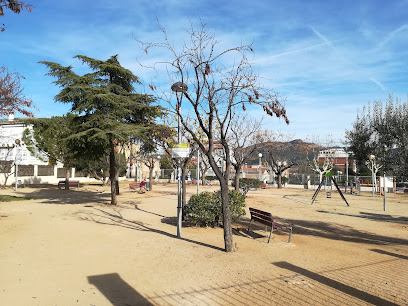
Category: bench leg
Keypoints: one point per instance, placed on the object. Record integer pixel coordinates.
(270, 234)
(249, 227)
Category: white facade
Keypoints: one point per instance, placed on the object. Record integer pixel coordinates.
(14, 152)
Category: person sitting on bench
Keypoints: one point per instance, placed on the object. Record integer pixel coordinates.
(142, 186)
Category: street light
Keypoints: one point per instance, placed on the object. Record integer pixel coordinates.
(17, 142)
(385, 157)
(260, 165)
(372, 160)
(179, 87)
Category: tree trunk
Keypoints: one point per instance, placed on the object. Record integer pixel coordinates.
(226, 215)
(203, 177)
(112, 174)
(151, 178)
(279, 180)
(117, 181)
(67, 178)
(236, 179)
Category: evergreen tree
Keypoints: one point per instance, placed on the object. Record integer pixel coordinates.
(109, 111)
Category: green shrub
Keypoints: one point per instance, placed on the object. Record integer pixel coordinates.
(248, 183)
(205, 209)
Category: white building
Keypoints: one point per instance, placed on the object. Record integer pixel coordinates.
(15, 155)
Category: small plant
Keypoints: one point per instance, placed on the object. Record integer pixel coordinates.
(249, 183)
(8, 198)
(245, 184)
(205, 209)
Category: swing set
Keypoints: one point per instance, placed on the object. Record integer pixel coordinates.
(329, 175)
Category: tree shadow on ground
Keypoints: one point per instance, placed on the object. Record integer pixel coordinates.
(357, 293)
(116, 290)
(342, 232)
(371, 216)
(115, 218)
(283, 283)
(390, 254)
(53, 195)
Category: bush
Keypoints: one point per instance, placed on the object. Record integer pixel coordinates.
(205, 209)
(248, 183)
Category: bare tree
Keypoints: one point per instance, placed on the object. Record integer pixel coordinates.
(277, 165)
(321, 168)
(215, 92)
(244, 140)
(150, 161)
(204, 166)
(12, 98)
(7, 164)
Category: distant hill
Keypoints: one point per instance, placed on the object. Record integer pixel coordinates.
(296, 151)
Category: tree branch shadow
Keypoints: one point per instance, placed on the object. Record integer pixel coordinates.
(101, 216)
(362, 295)
(371, 216)
(52, 195)
(342, 232)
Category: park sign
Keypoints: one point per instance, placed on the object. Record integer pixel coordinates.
(181, 150)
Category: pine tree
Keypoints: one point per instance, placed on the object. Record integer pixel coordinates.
(109, 112)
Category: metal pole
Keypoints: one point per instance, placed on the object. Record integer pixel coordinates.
(373, 176)
(346, 171)
(198, 171)
(260, 163)
(179, 190)
(16, 162)
(16, 175)
(179, 87)
(384, 190)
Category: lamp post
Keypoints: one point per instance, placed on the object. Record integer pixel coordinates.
(260, 165)
(372, 159)
(182, 88)
(385, 157)
(347, 166)
(17, 142)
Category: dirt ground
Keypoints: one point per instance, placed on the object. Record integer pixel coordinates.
(72, 248)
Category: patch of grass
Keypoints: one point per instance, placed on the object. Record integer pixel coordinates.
(8, 198)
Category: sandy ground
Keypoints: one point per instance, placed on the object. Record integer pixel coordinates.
(72, 248)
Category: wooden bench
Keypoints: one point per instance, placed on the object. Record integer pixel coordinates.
(134, 186)
(71, 184)
(267, 219)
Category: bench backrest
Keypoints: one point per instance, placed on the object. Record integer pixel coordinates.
(261, 216)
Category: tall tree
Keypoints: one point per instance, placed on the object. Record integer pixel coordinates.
(12, 98)
(109, 111)
(244, 138)
(150, 161)
(215, 91)
(277, 165)
(382, 132)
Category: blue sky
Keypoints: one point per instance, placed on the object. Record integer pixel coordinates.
(328, 58)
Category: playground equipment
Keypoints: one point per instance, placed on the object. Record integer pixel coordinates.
(329, 175)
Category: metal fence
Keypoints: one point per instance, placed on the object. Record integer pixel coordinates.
(356, 183)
